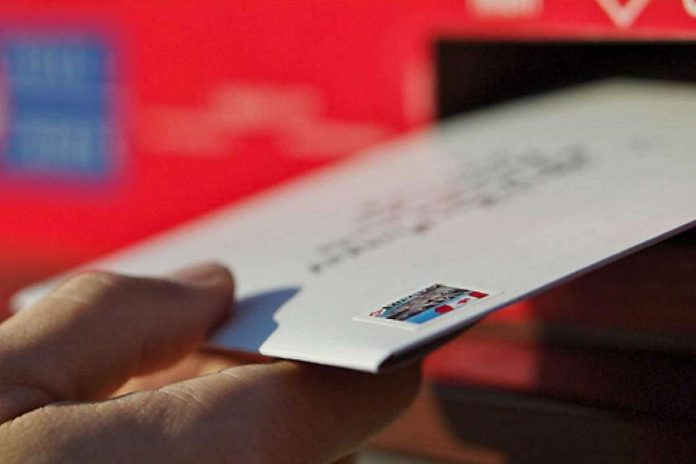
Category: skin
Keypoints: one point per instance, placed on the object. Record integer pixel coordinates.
(108, 368)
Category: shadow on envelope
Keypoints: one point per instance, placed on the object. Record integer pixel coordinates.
(253, 318)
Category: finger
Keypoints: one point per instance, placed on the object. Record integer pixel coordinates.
(196, 364)
(203, 361)
(97, 330)
(275, 413)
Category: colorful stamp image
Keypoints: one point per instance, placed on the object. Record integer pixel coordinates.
(429, 303)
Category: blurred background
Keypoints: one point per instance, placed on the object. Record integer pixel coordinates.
(121, 119)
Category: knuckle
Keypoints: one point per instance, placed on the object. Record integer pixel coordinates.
(97, 282)
(170, 411)
(180, 398)
(82, 291)
(97, 285)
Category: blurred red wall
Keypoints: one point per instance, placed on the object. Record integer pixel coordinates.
(204, 103)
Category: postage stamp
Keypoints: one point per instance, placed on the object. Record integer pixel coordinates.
(428, 304)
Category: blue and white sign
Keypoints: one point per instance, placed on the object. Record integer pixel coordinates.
(58, 106)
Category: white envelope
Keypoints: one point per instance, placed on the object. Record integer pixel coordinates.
(488, 208)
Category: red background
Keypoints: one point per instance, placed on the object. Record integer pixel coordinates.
(332, 66)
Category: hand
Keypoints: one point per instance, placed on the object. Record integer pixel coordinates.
(99, 335)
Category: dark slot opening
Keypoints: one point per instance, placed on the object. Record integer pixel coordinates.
(473, 74)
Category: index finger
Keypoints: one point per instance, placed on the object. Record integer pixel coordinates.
(98, 329)
(282, 412)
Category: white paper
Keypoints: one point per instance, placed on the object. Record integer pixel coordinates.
(507, 201)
